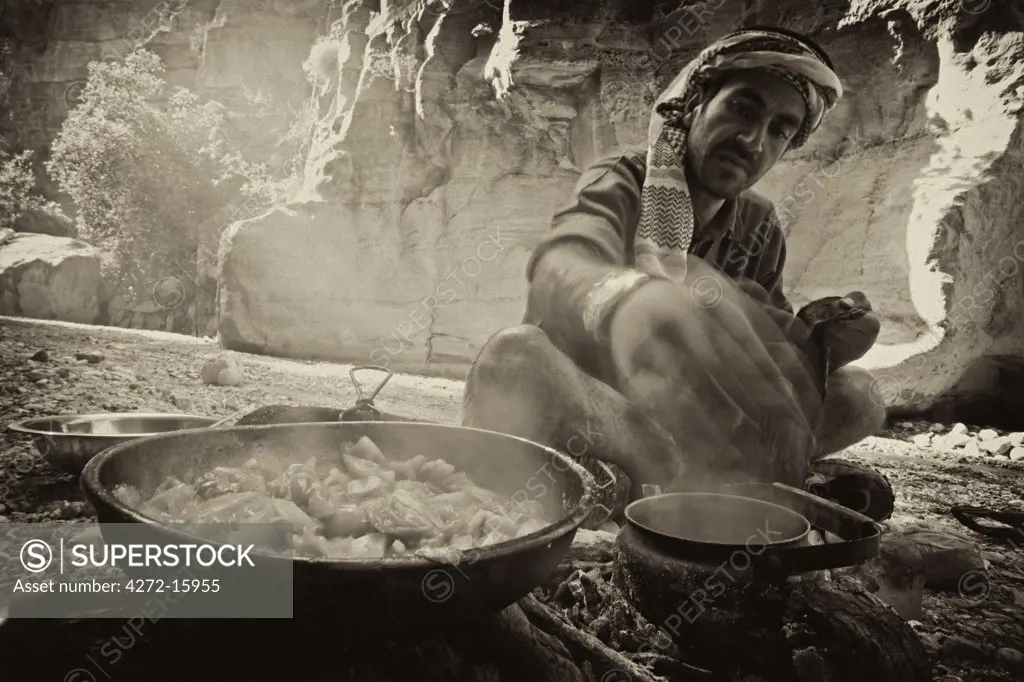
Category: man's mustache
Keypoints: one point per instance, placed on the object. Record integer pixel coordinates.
(741, 155)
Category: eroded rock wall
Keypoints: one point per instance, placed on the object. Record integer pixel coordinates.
(247, 54)
(451, 130)
(454, 123)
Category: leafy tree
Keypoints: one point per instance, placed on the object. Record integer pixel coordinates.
(146, 168)
(16, 183)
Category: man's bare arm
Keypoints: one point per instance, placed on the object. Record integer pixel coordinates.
(588, 243)
(563, 278)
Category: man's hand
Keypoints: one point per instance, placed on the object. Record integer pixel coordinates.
(849, 340)
(720, 376)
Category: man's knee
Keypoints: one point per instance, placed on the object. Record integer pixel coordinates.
(512, 350)
(514, 343)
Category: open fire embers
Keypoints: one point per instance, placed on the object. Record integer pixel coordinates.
(714, 568)
(730, 585)
(710, 611)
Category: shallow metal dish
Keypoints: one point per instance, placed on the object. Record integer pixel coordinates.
(69, 442)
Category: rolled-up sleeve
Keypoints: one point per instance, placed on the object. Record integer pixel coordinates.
(603, 212)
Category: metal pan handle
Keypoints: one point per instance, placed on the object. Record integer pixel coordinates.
(613, 481)
(861, 535)
(363, 398)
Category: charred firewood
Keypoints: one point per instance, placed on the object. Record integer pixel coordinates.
(587, 646)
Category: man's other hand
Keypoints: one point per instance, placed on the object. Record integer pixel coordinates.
(849, 340)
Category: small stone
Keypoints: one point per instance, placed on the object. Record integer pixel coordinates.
(1010, 657)
(971, 449)
(987, 434)
(950, 441)
(931, 641)
(63, 372)
(41, 355)
(222, 370)
(3, 508)
(1017, 437)
(42, 382)
(1017, 454)
(947, 556)
(957, 439)
(896, 576)
(36, 375)
(1016, 503)
(906, 425)
(90, 356)
(183, 402)
(958, 647)
(993, 444)
(922, 439)
(72, 509)
(937, 428)
(1003, 450)
(959, 428)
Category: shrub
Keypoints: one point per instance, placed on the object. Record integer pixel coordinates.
(145, 168)
(16, 183)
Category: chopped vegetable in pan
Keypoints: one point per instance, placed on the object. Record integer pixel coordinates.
(361, 506)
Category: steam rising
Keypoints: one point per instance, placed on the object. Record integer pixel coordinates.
(720, 519)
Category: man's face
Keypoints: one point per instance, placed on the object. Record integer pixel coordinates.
(742, 131)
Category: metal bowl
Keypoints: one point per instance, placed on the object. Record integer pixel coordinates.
(69, 442)
(377, 595)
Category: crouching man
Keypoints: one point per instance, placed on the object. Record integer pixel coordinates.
(657, 335)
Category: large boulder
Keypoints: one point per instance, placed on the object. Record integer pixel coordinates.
(49, 278)
(292, 282)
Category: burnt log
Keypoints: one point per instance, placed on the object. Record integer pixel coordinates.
(838, 632)
(822, 627)
(507, 647)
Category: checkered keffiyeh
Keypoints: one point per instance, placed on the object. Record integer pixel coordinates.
(666, 214)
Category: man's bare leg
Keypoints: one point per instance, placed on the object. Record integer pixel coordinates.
(522, 385)
(851, 412)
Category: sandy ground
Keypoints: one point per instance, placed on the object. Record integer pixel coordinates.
(973, 637)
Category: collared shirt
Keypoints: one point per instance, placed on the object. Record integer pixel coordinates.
(745, 239)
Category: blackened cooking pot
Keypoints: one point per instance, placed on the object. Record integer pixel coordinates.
(709, 569)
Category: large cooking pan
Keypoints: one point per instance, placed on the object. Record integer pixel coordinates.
(387, 592)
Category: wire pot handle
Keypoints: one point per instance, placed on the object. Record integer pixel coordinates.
(363, 398)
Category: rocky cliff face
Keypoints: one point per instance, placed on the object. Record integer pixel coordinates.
(450, 131)
(222, 49)
(246, 54)
(453, 129)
